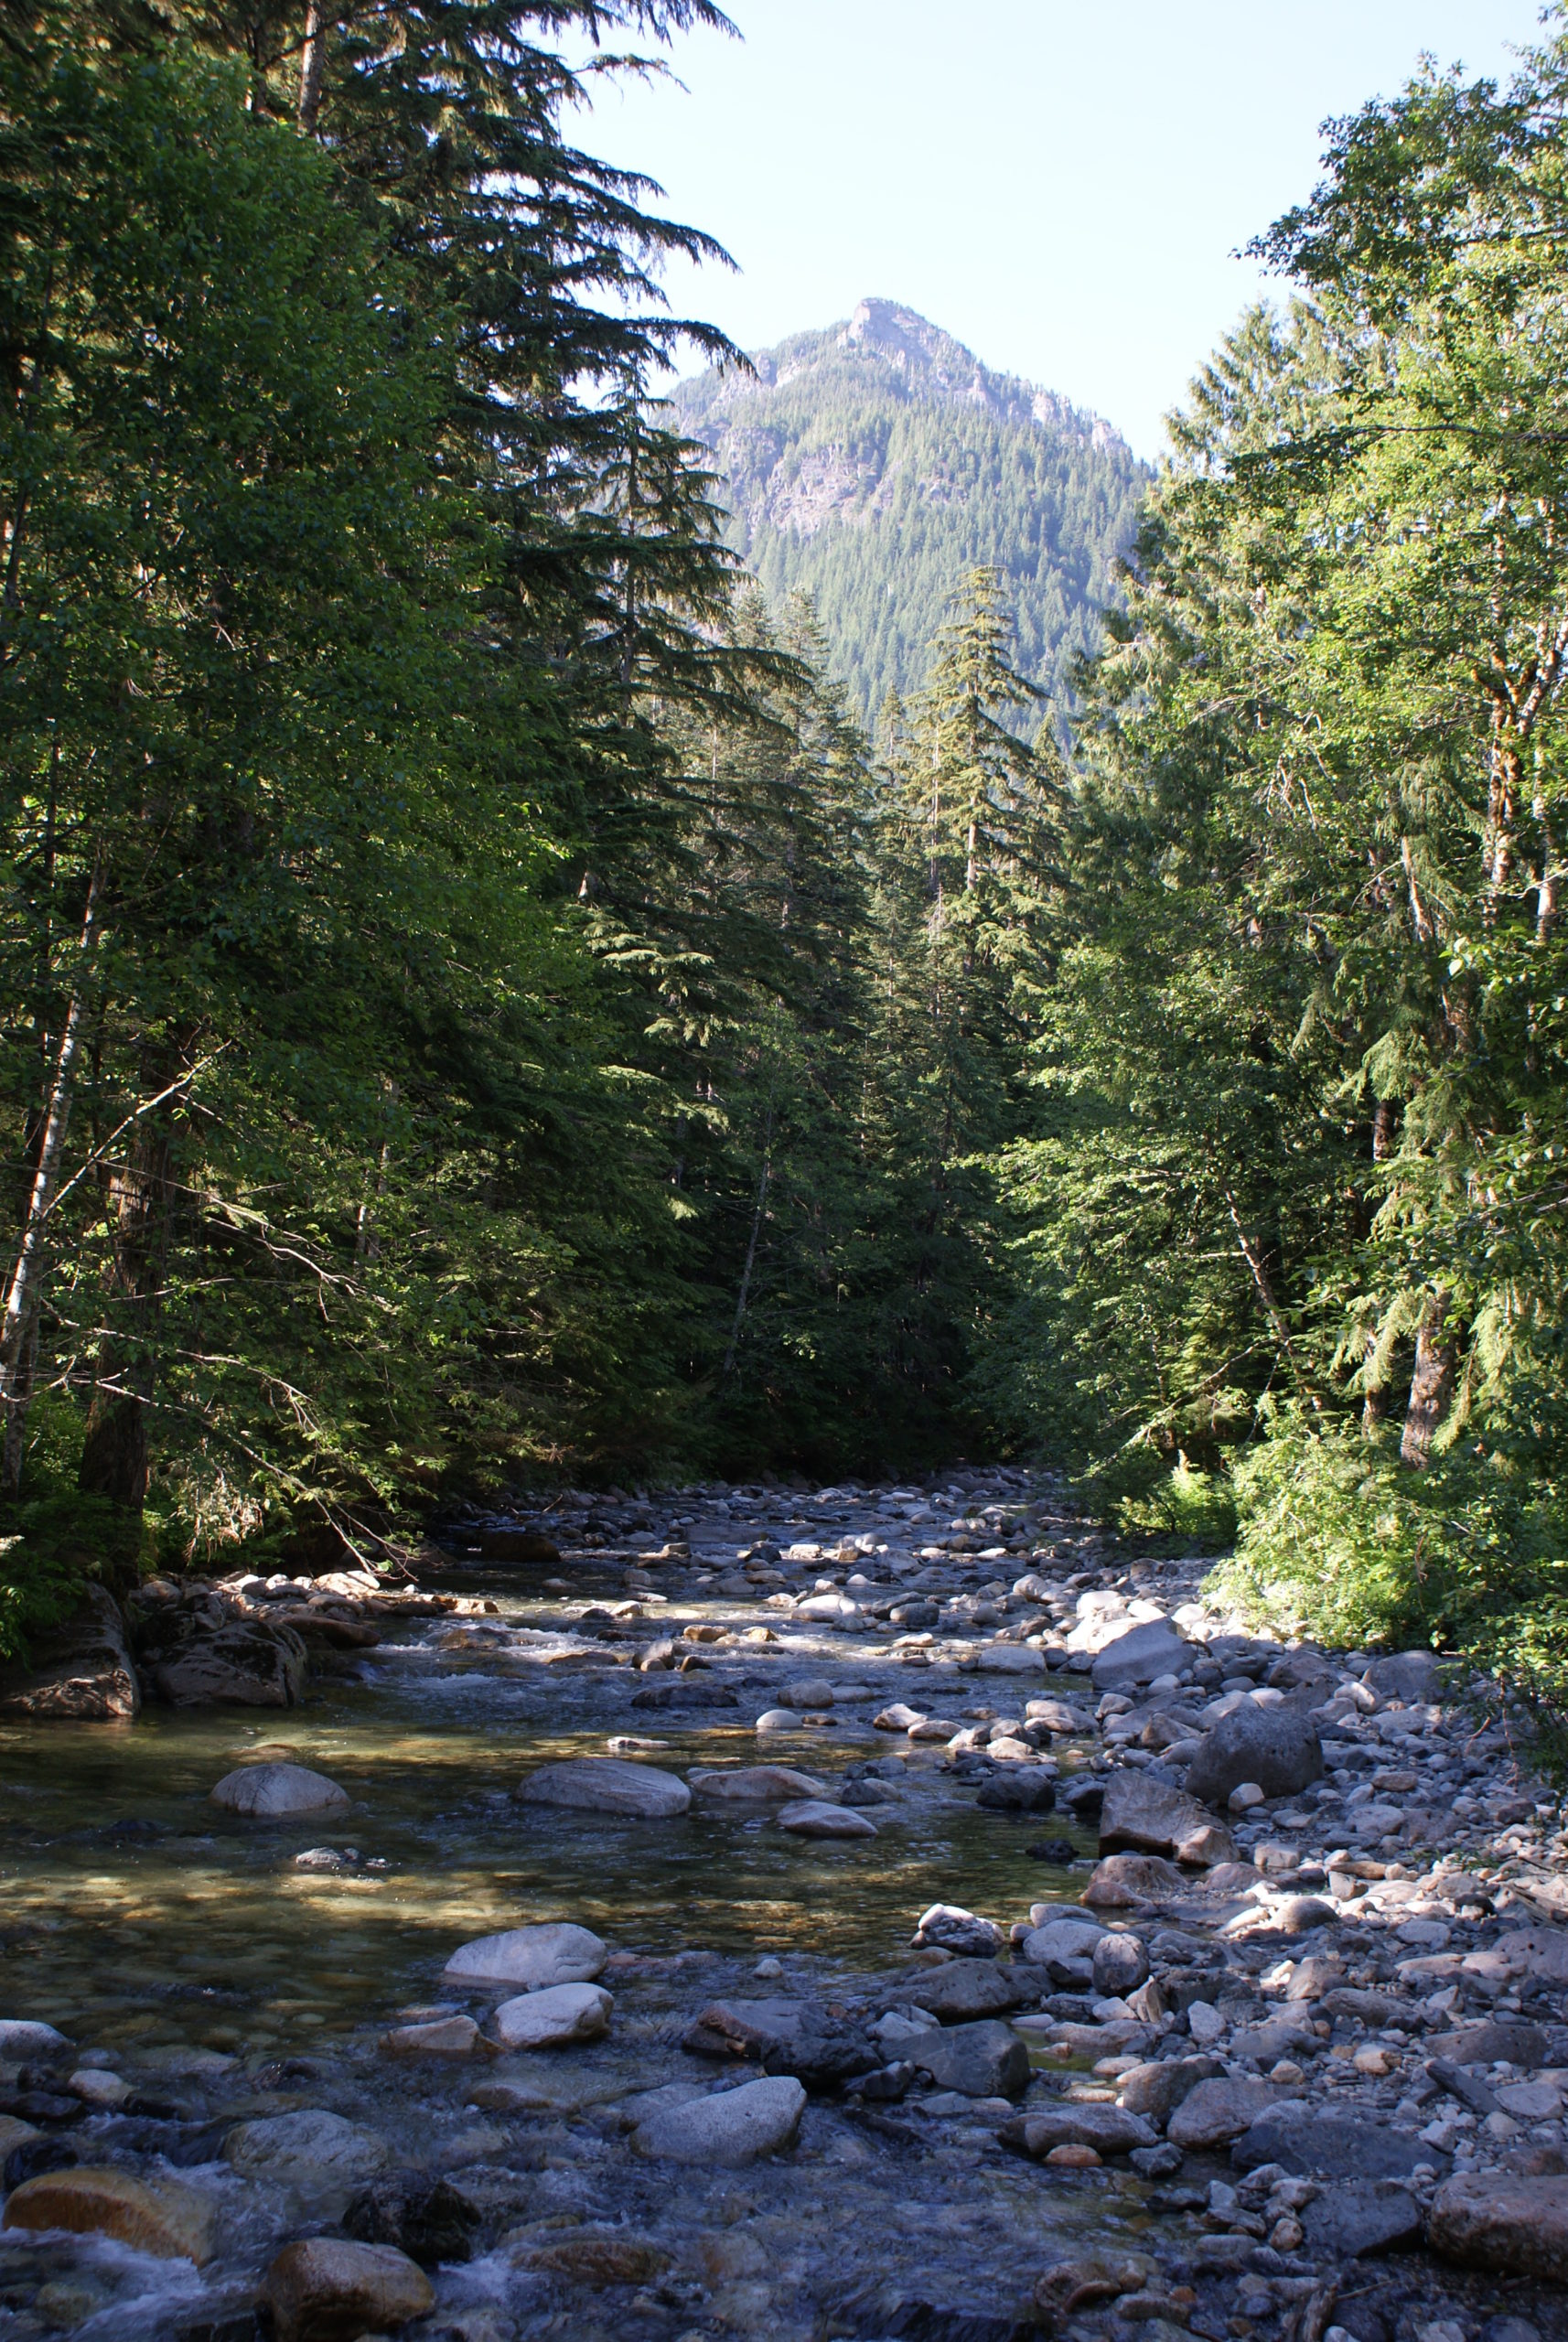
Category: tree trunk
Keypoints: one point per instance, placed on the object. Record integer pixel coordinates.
(114, 1455)
(1431, 1386)
(312, 60)
(1374, 1397)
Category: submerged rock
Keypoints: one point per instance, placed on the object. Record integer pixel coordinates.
(812, 1817)
(303, 2146)
(330, 2289)
(756, 1785)
(429, 2220)
(160, 2217)
(270, 1792)
(731, 2128)
(550, 2018)
(608, 1785)
(552, 1953)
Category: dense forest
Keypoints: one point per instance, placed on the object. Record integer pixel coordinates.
(477, 1005)
(875, 465)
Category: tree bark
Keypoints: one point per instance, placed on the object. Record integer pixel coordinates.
(312, 60)
(1430, 1385)
(114, 1455)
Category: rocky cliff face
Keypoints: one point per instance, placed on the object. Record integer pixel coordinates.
(873, 462)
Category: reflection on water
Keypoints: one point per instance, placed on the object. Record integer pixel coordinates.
(126, 1896)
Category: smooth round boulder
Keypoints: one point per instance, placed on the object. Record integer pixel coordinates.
(777, 1720)
(304, 2146)
(756, 1785)
(730, 2128)
(608, 1785)
(26, 2041)
(812, 1818)
(329, 2289)
(555, 1952)
(550, 2019)
(160, 2217)
(271, 1792)
(1121, 1965)
(807, 1691)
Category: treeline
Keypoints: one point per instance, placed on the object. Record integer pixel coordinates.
(474, 1006)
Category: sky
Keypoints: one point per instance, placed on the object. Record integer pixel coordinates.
(1063, 184)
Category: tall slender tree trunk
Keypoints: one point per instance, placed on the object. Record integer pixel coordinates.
(745, 1294)
(1374, 1396)
(114, 1455)
(312, 61)
(1430, 1385)
(18, 1328)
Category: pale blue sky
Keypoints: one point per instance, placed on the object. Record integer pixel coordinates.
(1060, 183)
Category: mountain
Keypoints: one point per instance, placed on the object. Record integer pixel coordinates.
(875, 462)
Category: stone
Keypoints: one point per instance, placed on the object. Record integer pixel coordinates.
(1121, 1965)
(807, 1691)
(1204, 2022)
(1298, 1915)
(1139, 1653)
(1027, 1788)
(1276, 1747)
(429, 2220)
(1065, 1947)
(778, 1720)
(608, 1785)
(755, 1785)
(983, 2060)
(1214, 2113)
(304, 2147)
(899, 1717)
(597, 2262)
(1411, 1676)
(1286, 2035)
(80, 1671)
(24, 2041)
(968, 1988)
(550, 2018)
(160, 2217)
(731, 2128)
(1010, 1659)
(1156, 2089)
(445, 2037)
(188, 1661)
(13, 2133)
(1082, 2284)
(1208, 1847)
(1122, 1882)
(745, 2028)
(813, 1818)
(947, 1927)
(1491, 2042)
(1109, 2130)
(1489, 2221)
(273, 1792)
(332, 2289)
(551, 1954)
(1144, 1816)
(1303, 2140)
(1361, 2217)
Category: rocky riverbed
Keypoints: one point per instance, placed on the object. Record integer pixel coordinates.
(857, 1912)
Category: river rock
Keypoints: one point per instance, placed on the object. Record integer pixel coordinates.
(25, 2040)
(608, 1785)
(1216, 2111)
(308, 2145)
(1140, 1653)
(1156, 2089)
(550, 2018)
(1146, 1817)
(1362, 2217)
(756, 1785)
(1109, 2130)
(806, 1692)
(429, 2220)
(731, 2128)
(1411, 1676)
(1493, 2220)
(13, 2133)
(1065, 1947)
(1276, 1747)
(330, 2289)
(159, 2216)
(1493, 2040)
(271, 1792)
(80, 1670)
(948, 1927)
(968, 1988)
(1286, 2035)
(188, 1660)
(981, 2061)
(899, 1717)
(552, 1953)
(1121, 1965)
(1022, 1789)
(442, 2037)
(812, 1817)
(1303, 2140)
(1122, 1882)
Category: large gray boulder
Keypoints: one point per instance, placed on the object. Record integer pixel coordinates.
(1144, 1817)
(275, 1792)
(982, 2060)
(1140, 1653)
(1277, 1748)
(196, 1657)
(730, 2128)
(80, 1671)
(1408, 1675)
(608, 1785)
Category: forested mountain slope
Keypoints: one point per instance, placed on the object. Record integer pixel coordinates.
(873, 464)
